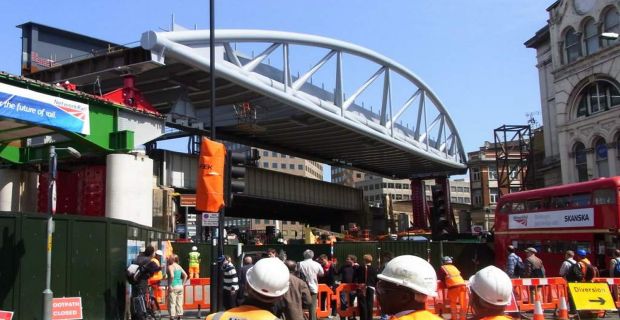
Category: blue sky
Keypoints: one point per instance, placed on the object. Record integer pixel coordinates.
(470, 53)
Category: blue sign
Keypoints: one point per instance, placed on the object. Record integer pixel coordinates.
(34, 107)
(601, 151)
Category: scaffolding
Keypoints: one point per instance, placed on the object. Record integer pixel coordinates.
(514, 158)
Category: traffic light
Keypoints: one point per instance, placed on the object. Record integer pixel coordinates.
(236, 162)
(440, 225)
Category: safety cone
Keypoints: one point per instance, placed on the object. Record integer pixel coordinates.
(538, 311)
(563, 311)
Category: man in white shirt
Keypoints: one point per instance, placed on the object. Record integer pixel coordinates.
(569, 260)
(311, 270)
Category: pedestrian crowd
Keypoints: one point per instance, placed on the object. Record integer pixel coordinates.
(273, 287)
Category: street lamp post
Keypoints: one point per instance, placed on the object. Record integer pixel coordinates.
(48, 295)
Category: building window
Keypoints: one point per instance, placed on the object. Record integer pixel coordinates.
(597, 97)
(611, 23)
(591, 37)
(493, 195)
(291, 166)
(602, 165)
(405, 186)
(274, 165)
(358, 175)
(459, 189)
(492, 173)
(581, 162)
(465, 189)
(475, 174)
(265, 153)
(274, 154)
(256, 220)
(282, 165)
(453, 188)
(390, 185)
(300, 167)
(477, 197)
(282, 155)
(571, 45)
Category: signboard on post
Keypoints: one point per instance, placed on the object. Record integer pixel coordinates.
(210, 219)
(591, 296)
(67, 308)
(6, 315)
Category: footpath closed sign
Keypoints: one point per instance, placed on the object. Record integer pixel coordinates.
(591, 296)
(67, 308)
(6, 315)
(210, 219)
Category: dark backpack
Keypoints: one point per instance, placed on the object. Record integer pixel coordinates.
(519, 268)
(574, 273)
(591, 272)
(537, 273)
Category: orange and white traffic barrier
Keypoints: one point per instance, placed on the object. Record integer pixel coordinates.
(196, 295)
(549, 291)
(563, 310)
(346, 289)
(324, 299)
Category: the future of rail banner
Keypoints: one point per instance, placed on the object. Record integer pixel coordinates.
(27, 105)
(210, 180)
(591, 296)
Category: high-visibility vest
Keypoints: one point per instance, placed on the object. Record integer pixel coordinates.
(157, 275)
(496, 318)
(194, 259)
(453, 276)
(243, 312)
(418, 315)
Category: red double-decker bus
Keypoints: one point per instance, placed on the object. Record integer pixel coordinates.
(582, 215)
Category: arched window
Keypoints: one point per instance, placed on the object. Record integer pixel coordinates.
(597, 97)
(611, 23)
(581, 161)
(591, 37)
(571, 45)
(602, 166)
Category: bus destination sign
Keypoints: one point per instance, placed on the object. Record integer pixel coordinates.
(581, 217)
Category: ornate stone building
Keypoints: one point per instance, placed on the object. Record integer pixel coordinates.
(579, 71)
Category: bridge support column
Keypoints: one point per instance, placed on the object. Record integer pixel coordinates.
(418, 203)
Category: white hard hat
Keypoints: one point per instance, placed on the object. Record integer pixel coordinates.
(412, 272)
(269, 277)
(194, 248)
(492, 285)
(159, 253)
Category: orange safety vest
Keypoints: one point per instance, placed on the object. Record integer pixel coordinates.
(418, 315)
(244, 312)
(453, 276)
(157, 275)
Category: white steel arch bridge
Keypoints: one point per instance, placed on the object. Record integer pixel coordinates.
(271, 108)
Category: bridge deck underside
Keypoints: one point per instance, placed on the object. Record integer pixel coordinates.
(277, 126)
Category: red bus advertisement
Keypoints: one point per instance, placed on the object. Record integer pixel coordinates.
(582, 215)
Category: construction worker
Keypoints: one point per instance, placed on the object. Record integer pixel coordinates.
(194, 263)
(457, 292)
(403, 286)
(491, 290)
(266, 282)
(157, 276)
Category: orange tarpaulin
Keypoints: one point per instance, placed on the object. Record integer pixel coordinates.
(210, 181)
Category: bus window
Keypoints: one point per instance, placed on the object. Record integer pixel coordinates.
(581, 200)
(604, 196)
(505, 208)
(534, 205)
(518, 207)
(560, 202)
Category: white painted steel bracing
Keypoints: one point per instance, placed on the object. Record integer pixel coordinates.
(443, 145)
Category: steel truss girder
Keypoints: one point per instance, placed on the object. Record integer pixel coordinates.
(443, 146)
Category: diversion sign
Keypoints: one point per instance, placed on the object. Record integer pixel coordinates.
(26, 105)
